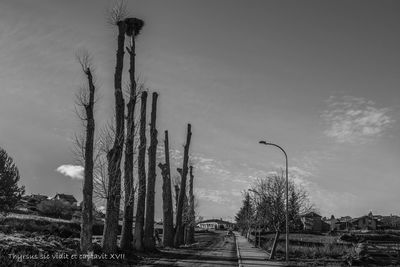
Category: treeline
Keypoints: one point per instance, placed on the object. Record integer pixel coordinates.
(264, 206)
(116, 159)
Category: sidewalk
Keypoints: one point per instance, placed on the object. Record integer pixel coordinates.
(250, 256)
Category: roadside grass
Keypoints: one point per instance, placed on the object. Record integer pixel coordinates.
(308, 238)
(28, 223)
(309, 246)
(35, 217)
(332, 251)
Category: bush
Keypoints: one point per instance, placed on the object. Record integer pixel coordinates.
(55, 208)
(61, 229)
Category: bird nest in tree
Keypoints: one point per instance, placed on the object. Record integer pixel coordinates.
(133, 26)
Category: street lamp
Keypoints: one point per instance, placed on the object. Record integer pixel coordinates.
(287, 195)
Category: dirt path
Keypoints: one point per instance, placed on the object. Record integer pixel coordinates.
(212, 249)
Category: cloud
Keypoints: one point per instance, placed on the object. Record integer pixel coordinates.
(218, 196)
(211, 166)
(73, 171)
(355, 120)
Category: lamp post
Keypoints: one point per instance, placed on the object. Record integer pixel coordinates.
(287, 195)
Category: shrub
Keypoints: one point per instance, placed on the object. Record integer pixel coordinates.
(55, 208)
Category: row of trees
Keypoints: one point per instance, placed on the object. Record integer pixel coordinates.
(264, 206)
(120, 161)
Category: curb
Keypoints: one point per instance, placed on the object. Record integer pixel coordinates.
(238, 252)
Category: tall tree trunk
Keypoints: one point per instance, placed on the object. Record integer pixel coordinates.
(115, 154)
(149, 241)
(141, 202)
(176, 197)
(127, 223)
(182, 193)
(190, 239)
(168, 220)
(183, 235)
(87, 204)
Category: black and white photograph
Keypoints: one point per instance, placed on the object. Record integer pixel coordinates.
(199, 133)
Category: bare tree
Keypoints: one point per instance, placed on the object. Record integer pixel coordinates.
(270, 207)
(100, 181)
(117, 13)
(104, 143)
(132, 30)
(115, 154)
(168, 220)
(270, 192)
(141, 202)
(182, 193)
(86, 100)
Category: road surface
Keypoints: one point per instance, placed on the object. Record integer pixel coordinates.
(211, 249)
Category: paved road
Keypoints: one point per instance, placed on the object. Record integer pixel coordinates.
(212, 249)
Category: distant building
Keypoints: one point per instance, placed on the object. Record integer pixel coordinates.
(340, 224)
(388, 222)
(215, 224)
(313, 222)
(367, 222)
(66, 198)
(346, 223)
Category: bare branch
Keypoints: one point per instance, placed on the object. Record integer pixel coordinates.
(84, 59)
(117, 13)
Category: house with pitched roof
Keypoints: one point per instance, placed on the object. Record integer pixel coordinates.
(70, 199)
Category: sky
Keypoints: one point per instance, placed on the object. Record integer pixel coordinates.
(319, 78)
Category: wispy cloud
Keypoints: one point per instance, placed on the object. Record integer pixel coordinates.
(73, 171)
(230, 180)
(355, 119)
(208, 166)
(298, 175)
(212, 167)
(218, 196)
(326, 201)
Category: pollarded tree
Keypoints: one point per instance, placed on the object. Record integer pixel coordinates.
(141, 199)
(149, 241)
(179, 212)
(10, 192)
(191, 211)
(133, 27)
(86, 101)
(168, 225)
(114, 155)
